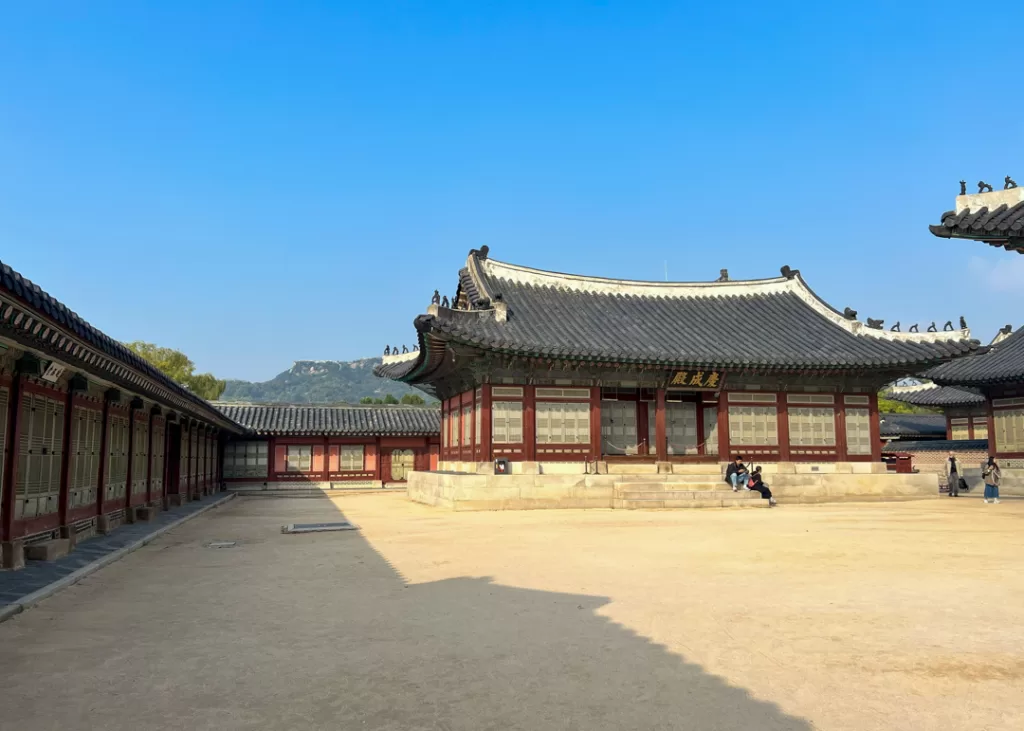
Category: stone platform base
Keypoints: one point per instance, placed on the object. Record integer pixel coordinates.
(463, 491)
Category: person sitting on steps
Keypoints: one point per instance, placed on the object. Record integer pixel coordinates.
(755, 483)
(736, 473)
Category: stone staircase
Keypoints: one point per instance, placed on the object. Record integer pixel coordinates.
(683, 491)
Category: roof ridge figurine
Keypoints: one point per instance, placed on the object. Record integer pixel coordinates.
(982, 185)
(1009, 183)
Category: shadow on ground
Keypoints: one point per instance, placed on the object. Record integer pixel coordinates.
(466, 653)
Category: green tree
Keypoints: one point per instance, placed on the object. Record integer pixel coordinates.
(412, 399)
(179, 368)
(389, 399)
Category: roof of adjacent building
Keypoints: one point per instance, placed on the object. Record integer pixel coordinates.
(934, 395)
(903, 426)
(995, 217)
(937, 445)
(1001, 362)
(768, 323)
(341, 420)
(79, 344)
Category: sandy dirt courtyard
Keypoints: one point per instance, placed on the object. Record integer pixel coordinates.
(877, 616)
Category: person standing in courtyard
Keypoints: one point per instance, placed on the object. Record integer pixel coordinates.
(953, 470)
(737, 474)
(992, 475)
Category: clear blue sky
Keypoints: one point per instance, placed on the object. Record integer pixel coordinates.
(254, 183)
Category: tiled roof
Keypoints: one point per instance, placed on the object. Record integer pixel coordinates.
(938, 445)
(32, 295)
(1002, 362)
(343, 420)
(938, 396)
(1001, 226)
(912, 425)
(769, 323)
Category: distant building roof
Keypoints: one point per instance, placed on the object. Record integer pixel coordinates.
(937, 445)
(340, 420)
(996, 218)
(933, 395)
(1001, 362)
(912, 426)
(766, 323)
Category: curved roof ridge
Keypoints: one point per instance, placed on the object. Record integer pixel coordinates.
(792, 284)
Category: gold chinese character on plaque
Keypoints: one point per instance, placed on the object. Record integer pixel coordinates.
(697, 380)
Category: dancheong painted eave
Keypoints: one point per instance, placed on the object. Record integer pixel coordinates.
(776, 324)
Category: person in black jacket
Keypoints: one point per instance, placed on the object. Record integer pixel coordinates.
(757, 484)
(737, 474)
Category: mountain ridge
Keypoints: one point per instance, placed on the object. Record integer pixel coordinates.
(318, 382)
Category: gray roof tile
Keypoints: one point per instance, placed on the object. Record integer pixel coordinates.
(1001, 362)
(342, 420)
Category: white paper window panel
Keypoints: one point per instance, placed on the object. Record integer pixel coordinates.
(710, 430)
(618, 427)
(753, 425)
(964, 420)
(959, 431)
(1009, 426)
(858, 431)
(39, 451)
(752, 398)
(351, 457)
(506, 422)
(857, 400)
(1008, 402)
(812, 427)
(566, 393)
(506, 392)
(680, 427)
(810, 398)
(562, 423)
(467, 426)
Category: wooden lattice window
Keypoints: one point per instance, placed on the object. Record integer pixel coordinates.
(40, 450)
(507, 422)
(156, 470)
(710, 430)
(1009, 425)
(117, 457)
(960, 428)
(753, 425)
(140, 458)
(812, 426)
(467, 426)
(979, 425)
(245, 459)
(858, 431)
(86, 436)
(351, 458)
(5, 398)
(298, 458)
(562, 423)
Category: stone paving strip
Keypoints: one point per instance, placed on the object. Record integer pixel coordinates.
(26, 587)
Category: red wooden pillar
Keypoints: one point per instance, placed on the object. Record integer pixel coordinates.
(378, 471)
(875, 427)
(271, 458)
(101, 487)
(65, 462)
(11, 462)
(842, 454)
(595, 423)
(724, 446)
(325, 472)
(185, 480)
(149, 458)
(529, 424)
(782, 418)
(949, 427)
(993, 445)
(486, 453)
(660, 424)
(129, 474)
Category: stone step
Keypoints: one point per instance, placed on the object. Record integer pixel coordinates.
(671, 486)
(48, 550)
(690, 477)
(689, 495)
(684, 504)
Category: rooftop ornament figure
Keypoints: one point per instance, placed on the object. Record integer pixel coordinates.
(849, 313)
(405, 349)
(1009, 183)
(387, 350)
(932, 328)
(723, 275)
(394, 350)
(963, 187)
(963, 323)
(895, 328)
(444, 301)
(982, 185)
(948, 327)
(876, 324)
(436, 299)
(788, 272)
(913, 328)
